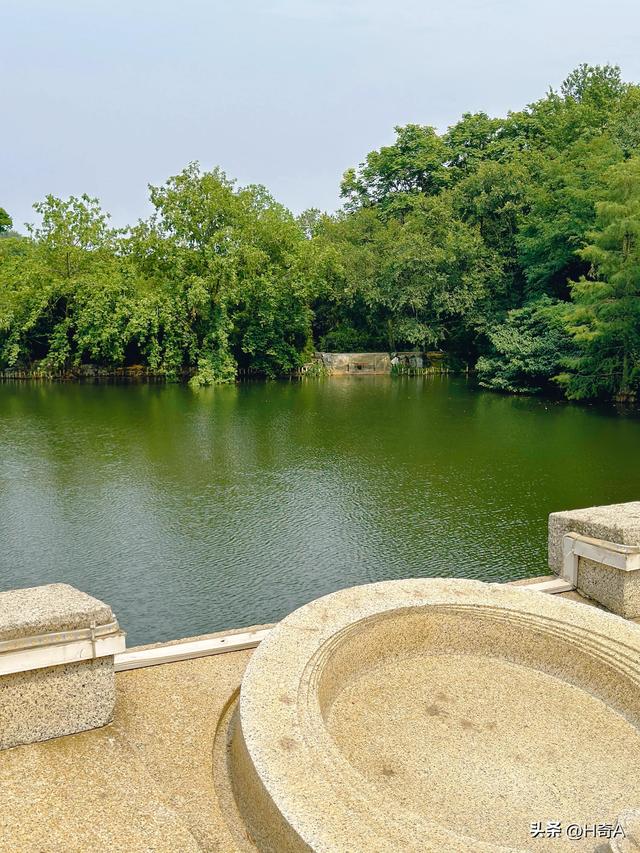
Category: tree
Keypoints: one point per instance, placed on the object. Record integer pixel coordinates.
(310, 221)
(584, 107)
(414, 164)
(473, 139)
(527, 350)
(6, 223)
(414, 282)
(604, 317)
(61, 289)
(562, 199)
(72, 233)
(343, 272)
(434, 276)
(597, 83)
(467, 240)
(494, 199)
(624, 124)
(189, 246)
(270, 309)
(231, 264)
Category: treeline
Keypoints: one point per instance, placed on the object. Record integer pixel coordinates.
(510, 243)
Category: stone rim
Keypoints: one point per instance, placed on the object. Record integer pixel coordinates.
(322, 798)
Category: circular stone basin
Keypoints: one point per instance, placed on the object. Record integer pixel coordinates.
(438, 715)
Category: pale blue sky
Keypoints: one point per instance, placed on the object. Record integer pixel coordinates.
(105, 97)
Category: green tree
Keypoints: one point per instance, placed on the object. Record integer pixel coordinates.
(270, 310)
(344, 263)
(415, 282)
(472, 140)
(434, 277)
(562, 201)
(231, 265)
(527, 350)
(494, 199)
(599, 84)
(6, 223)
(604, 317)
(61, 289)
(310, 221)
(624, 124)
(467, 240)
(584, 107)
(414, 164)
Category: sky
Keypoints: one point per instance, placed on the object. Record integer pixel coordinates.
(107, 96)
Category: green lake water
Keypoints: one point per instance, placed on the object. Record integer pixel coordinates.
(192, 512)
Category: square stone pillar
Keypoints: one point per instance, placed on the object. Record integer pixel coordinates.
(607, 574)
(56, 663)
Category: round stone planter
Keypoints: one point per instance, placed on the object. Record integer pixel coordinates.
(433, 715)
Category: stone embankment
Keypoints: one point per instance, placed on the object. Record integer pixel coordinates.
(92, 373)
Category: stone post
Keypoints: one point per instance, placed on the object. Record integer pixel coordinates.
(598, 548)
(56, 663)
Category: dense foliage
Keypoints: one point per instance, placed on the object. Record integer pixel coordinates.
(215, 278)
(509, 243)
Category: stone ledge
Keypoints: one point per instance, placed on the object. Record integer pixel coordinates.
(46, 609)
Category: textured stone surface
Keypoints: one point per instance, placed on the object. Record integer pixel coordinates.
(44, 609)
(170, 715)
(430, 715)
(88, 793)
(153, 780)
(58, 700)
(616, 523)
(467, 733)
(617, 590)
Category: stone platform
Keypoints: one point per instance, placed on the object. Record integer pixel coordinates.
(143, 783)
(156, 778)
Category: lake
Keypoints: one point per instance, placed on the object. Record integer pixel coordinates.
(190, 512)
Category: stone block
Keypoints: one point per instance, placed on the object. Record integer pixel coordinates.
(356, 362)
(617, 590)
(57, 647)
